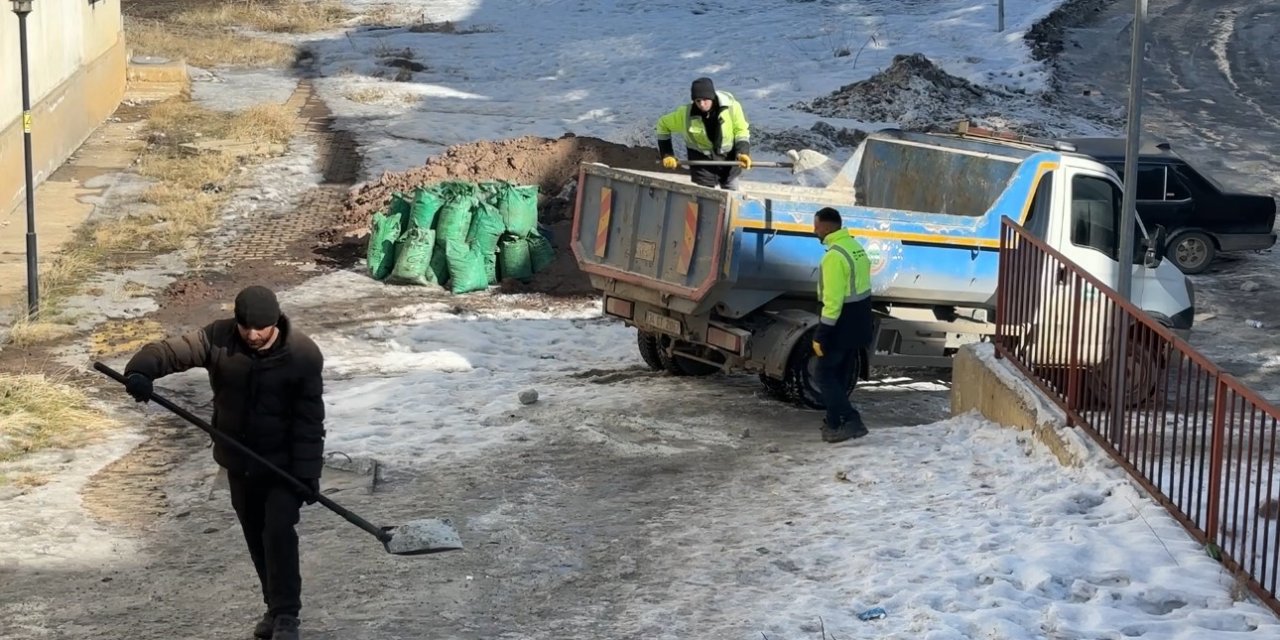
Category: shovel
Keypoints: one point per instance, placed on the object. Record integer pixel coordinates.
(410, 539)
(805, 160)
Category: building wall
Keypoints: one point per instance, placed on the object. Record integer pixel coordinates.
(77, 58)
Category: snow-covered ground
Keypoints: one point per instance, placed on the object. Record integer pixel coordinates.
(610, 68)
(678, 507)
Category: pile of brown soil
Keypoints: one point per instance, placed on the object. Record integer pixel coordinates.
(552, 164)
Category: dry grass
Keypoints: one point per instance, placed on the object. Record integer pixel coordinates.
(27, 331)
(180, 213)
(205, 48)
(24, 481)
(278, 16)
(38, 412)
(267, 122)
(178, 122)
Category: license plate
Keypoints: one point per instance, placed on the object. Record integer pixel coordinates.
(663, 323)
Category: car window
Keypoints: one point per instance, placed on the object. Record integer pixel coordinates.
(1151, 180)
(1095, 217)
(1037, 221)
(1094, 209)
(1176, 188)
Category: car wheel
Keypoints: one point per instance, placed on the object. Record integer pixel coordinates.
(1192, 251)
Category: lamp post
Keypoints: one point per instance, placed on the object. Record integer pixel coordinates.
(1128, 213)
(23, 8)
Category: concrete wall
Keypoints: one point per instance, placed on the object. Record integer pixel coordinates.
(994, 388)
(77, 58)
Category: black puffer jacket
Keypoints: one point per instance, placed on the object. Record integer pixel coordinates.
(269, 400)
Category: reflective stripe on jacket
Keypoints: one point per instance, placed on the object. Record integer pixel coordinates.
(845, 277)
(735, 132)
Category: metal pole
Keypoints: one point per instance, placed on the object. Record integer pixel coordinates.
(1128, 211)
(1133, 132)
(1000, 16)
(33, 273)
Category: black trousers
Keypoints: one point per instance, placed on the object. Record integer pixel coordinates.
(836, 369)
(268, 510)
(725, 177)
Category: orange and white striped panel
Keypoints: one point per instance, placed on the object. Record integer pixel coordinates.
(602, 225)
(690, 237)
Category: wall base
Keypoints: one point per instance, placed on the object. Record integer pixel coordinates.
(994, 388)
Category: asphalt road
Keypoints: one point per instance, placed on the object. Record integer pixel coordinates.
(1212, 90)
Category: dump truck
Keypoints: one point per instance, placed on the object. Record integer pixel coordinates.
(717, 279)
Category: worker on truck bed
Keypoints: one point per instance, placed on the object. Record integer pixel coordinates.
(845, 325)
(714, 128)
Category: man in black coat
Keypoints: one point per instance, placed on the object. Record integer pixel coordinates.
(267, 394)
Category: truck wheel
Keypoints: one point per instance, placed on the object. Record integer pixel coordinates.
(649, 350)
(802, 375)
(775, 388)
(1191, 251)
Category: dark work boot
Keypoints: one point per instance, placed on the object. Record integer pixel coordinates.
(264, 627)
(286, 628)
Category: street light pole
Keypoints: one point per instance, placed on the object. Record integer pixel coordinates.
(1128, 215)
(23, 9)
(1133, 132)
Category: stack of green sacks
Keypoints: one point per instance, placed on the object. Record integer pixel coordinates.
(461, 234)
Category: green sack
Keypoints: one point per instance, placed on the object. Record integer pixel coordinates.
(518, 206)
(384, 230)
(541, 252)
(413, 258)
(438, 268)
(401, 207)
(514, 260)
(426, 204)
(455, 215)
(486, 228)
(467, 271)
(491, 268)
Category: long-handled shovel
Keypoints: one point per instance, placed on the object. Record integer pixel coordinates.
(409, 539)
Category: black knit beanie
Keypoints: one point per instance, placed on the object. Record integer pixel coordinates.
(702, 89)
(257, 307)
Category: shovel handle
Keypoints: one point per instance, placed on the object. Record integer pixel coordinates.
(734, 163)
(380, 534)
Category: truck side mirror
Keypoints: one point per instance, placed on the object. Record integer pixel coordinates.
(1154, 252)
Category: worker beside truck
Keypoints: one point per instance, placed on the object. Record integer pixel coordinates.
(845, 323)
(714, 128)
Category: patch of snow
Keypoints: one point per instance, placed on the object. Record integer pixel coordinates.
(610, 70)
(49, 528)
(959, 529)
(239, 89)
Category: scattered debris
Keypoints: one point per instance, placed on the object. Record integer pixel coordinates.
(872, 614)
(1250, 286)
(528, 396)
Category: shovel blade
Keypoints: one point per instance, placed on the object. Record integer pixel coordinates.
(419, 537)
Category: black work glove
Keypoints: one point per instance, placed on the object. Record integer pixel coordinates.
(313, 490)
(138, 386)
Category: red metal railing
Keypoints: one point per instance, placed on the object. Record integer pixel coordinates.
(1200, 441)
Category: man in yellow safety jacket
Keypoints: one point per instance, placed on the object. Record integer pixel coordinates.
(714, 128)
(846, 325)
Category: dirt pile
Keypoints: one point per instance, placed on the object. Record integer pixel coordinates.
(552, 164)
(912, 92)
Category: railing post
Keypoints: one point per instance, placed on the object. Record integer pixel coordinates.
(1002, 286)
(1216, 445)
(1073, 349)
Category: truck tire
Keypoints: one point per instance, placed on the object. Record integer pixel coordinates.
(774, 388)
(801, 382)
(649, 350)
(1191, 251)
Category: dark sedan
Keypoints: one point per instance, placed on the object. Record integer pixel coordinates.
(1199, 215)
